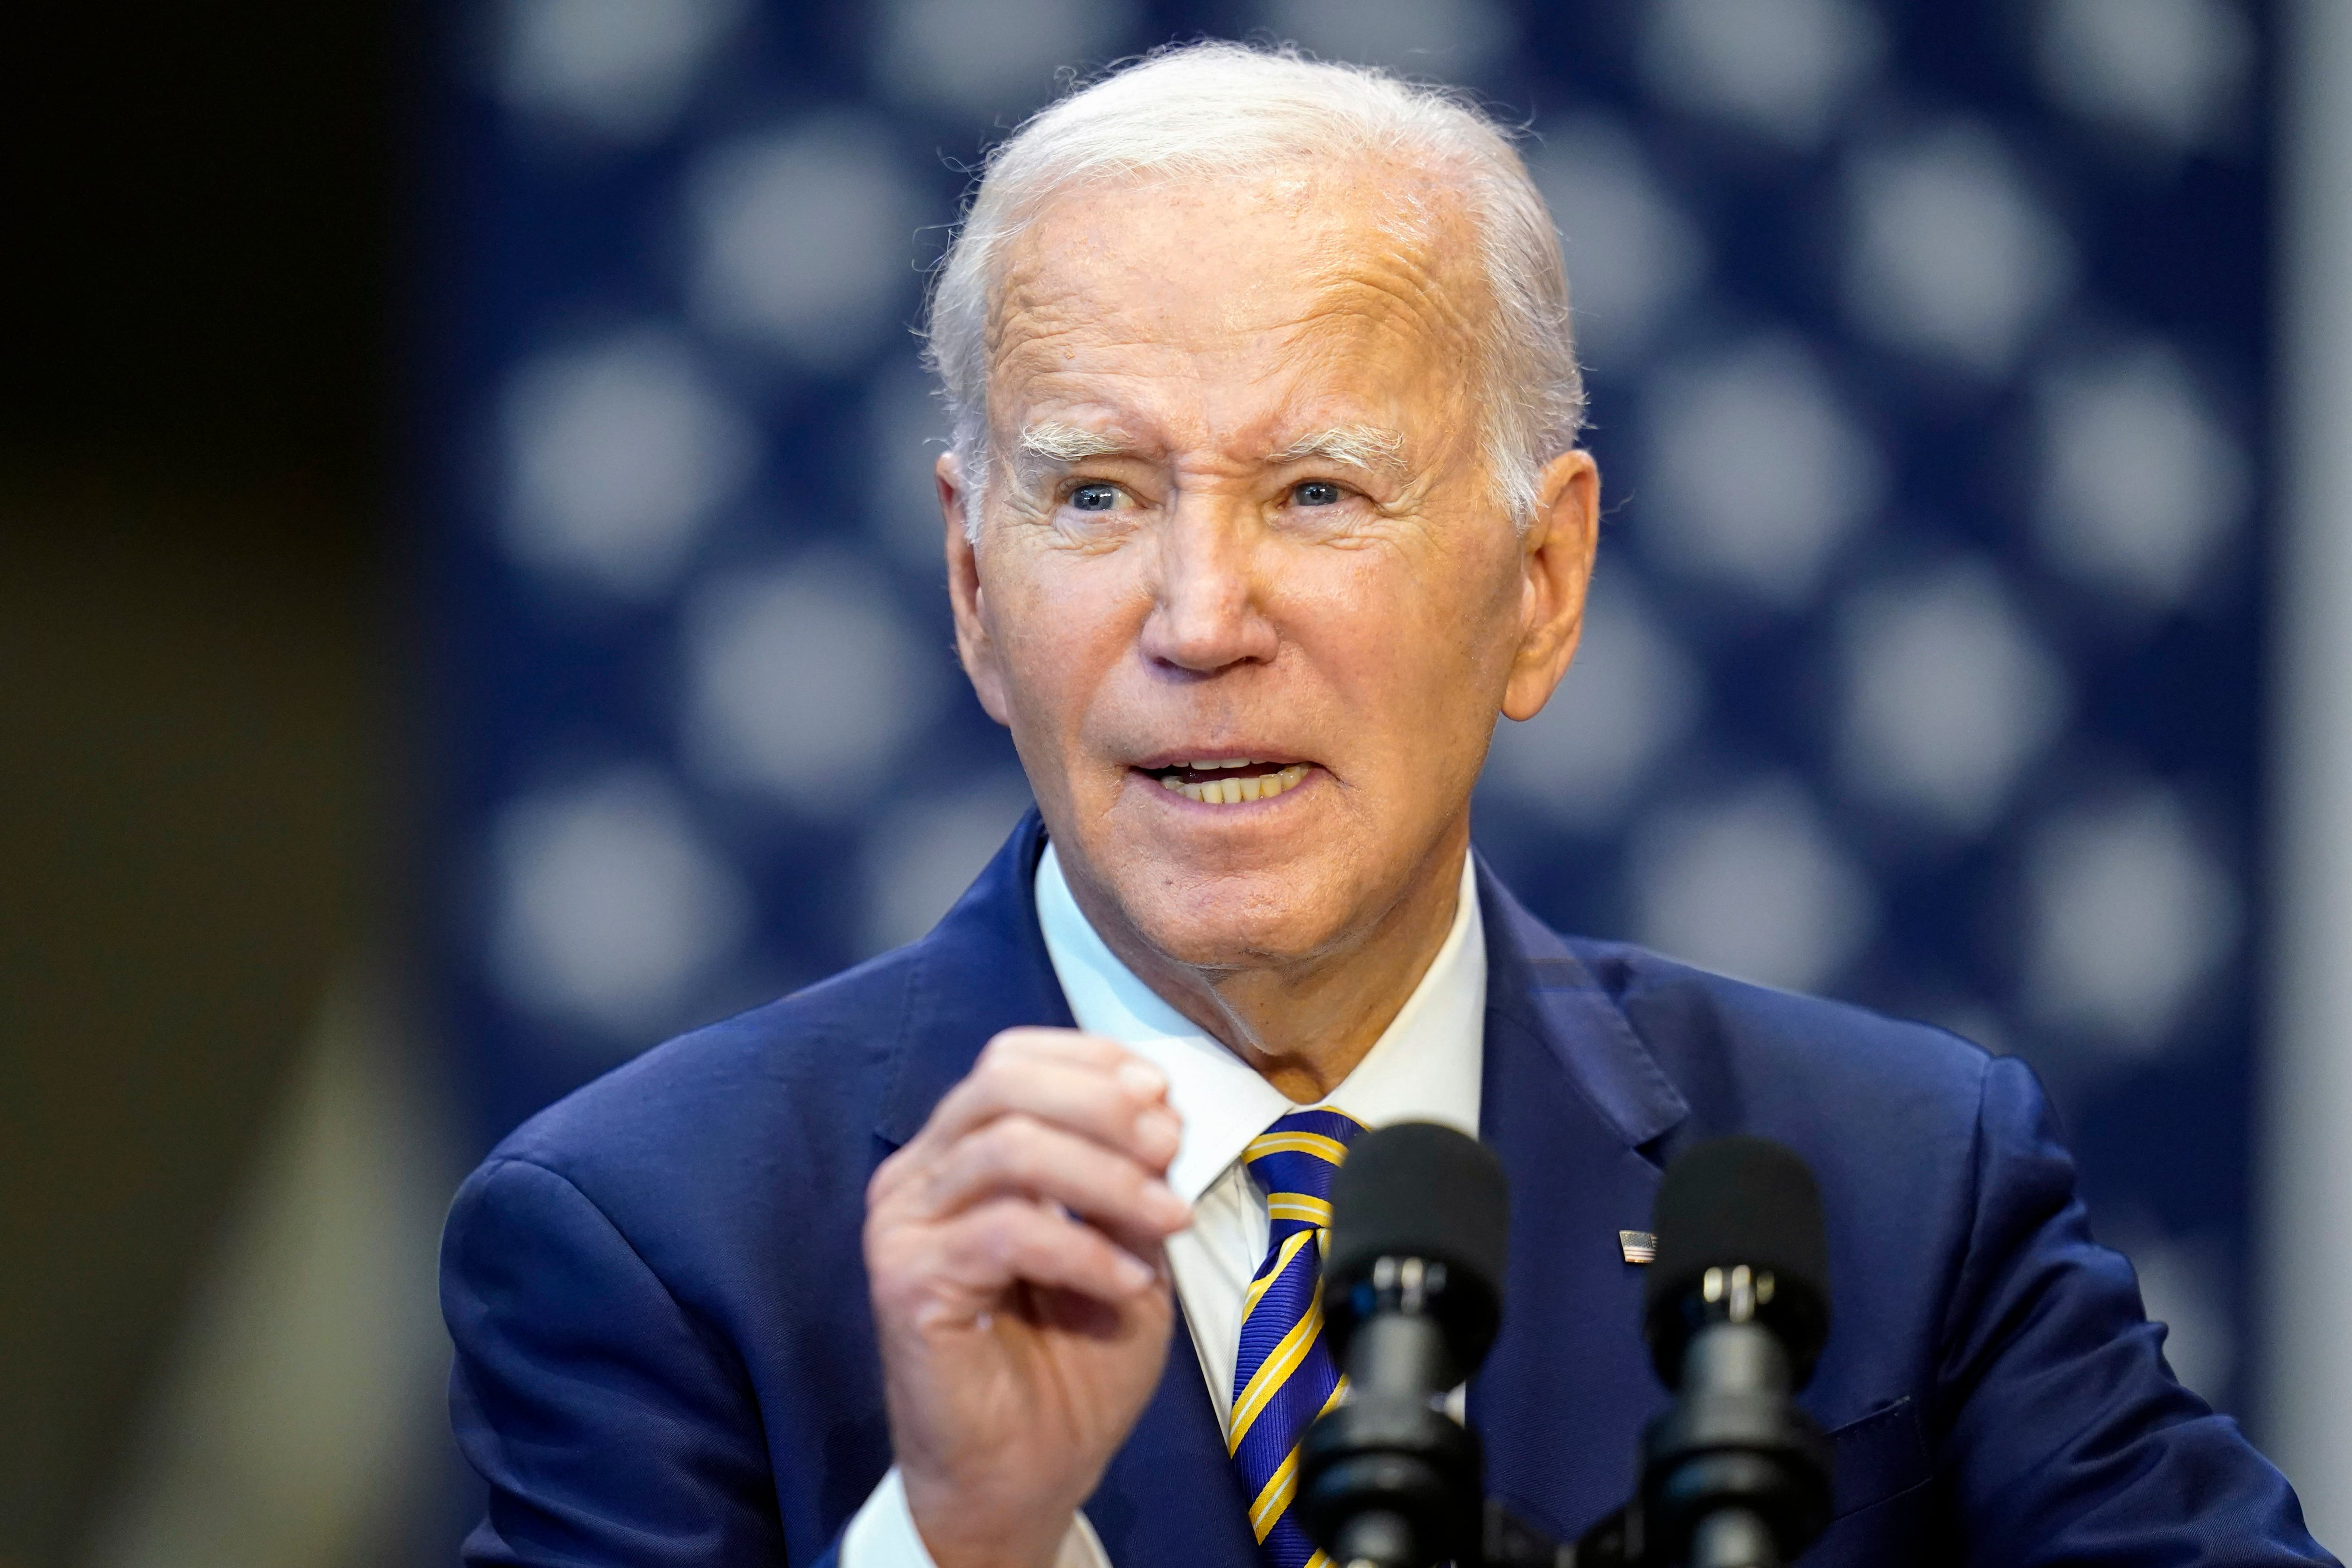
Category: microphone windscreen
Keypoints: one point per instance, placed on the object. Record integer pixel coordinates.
(1416, 1189)
(1738, 1200)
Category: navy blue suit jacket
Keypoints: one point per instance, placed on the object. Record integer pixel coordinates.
(665, 1353)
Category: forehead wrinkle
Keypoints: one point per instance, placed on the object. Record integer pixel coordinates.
(1403, 256)
(1397, 275)
(1416, 270)
(1395, 295)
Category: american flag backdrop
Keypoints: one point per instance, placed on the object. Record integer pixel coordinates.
(1927, 354)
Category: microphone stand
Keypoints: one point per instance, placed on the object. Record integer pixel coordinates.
(1731, 1473)
(1733, 1536)
(1734, 1473)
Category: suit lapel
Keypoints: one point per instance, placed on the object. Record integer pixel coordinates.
(1169, 1499)
(983, 969)
(1573, 1104)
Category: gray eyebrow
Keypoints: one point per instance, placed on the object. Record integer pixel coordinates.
(1058, 443)
(1363, 446)
(1055, 443)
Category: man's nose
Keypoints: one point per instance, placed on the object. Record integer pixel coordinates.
(1209, 611)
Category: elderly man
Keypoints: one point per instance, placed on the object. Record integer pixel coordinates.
(1263, 504)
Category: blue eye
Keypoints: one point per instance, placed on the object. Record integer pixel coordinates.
(1095, 497)
(1315, 493)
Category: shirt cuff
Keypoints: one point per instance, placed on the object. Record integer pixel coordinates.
(882, 1535)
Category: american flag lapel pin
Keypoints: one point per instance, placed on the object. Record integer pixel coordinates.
(1639, 1246)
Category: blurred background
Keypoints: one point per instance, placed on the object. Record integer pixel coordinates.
(470, 607)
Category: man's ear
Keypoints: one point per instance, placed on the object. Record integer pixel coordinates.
(1556, 563)
(974, 645)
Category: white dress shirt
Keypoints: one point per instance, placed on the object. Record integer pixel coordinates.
(1424, 1067)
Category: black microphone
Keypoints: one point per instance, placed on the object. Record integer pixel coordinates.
(1412, 1292)
(1735, 1474)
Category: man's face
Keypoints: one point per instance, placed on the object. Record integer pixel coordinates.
(1239, 515)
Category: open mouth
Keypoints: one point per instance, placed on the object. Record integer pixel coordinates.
(1230, 781)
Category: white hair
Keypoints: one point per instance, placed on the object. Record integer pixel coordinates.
(1222, 109)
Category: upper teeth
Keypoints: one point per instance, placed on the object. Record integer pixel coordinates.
(1235, 762)
(1233, 792)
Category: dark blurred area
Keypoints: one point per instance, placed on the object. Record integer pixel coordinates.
(194, 824)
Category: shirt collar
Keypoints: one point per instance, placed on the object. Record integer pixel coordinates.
(1424, 1067)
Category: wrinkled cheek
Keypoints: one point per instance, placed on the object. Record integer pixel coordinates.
(1057, 668)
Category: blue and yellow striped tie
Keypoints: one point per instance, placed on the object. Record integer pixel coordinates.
(1285, 1377)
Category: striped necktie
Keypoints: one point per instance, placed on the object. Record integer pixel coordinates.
(1283, 1378)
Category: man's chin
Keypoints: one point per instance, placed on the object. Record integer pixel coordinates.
(1248, 886)
(1254, 945)
(1231, 919)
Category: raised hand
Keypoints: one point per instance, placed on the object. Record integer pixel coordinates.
(1020, 1290)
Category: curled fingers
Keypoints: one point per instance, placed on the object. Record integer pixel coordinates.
(1086, 1083)
(1007, 1241)
(1019, 1155)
